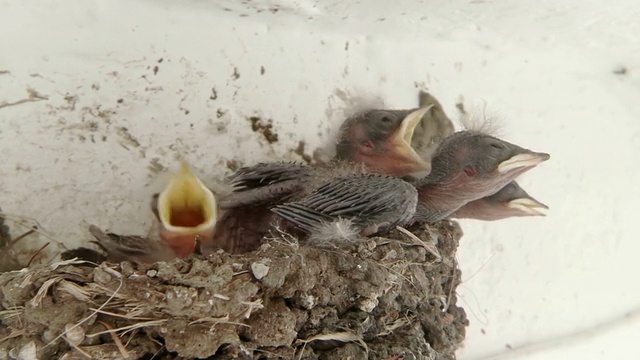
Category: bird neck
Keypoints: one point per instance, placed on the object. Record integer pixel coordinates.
(476, 209)
(439, 199)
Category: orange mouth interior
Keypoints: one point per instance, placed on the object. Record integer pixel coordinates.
(187, 217)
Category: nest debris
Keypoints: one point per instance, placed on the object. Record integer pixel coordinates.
(380, 298)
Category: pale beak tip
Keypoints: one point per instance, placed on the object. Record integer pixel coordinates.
(423, 110)
(543, 156)
(528, 159)
(528, 206)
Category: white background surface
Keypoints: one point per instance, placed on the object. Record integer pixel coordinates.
(546, 68)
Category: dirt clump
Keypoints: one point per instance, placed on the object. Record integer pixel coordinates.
(378, 298)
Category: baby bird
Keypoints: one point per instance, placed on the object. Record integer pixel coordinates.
(510, 201)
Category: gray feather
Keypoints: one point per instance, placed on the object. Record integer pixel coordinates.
(365, 200)
(264, 183)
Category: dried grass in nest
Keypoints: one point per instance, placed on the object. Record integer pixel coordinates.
(381, 298)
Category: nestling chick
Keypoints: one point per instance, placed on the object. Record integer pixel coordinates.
(187, 211)
(510, 201)
(381, 140)
(468, 166)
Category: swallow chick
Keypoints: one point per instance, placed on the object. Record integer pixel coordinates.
(381, 140)
(467, 166)
(510, 201)
(347, 207)
(374, 141)
(187, 212)
(185, 216)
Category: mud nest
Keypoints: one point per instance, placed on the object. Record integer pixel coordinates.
(380, 298)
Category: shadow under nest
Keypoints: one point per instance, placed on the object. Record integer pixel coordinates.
(380, 298)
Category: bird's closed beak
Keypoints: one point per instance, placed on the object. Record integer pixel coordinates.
(187, 211)
(522, 161)
(401, 142)
(528, 206)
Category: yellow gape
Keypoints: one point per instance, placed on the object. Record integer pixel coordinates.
(187, 209)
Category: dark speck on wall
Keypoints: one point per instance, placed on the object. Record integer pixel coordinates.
(262, 70)
(620, 70)
(214, 94)
(155, 70)
(120, 101)
(263, 127)
(127, 137)
(235, 74)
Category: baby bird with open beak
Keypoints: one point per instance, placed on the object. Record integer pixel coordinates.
(186, 212)
(374, 141)
(381, 139)
(467, 166)
(510, 201)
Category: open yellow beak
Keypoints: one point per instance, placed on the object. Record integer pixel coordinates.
(528, 206)
(187, 210)
(404, 136)
(522, 161)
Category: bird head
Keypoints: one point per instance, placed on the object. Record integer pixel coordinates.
(381, 139)
(478, 165)
(187, 211)
(510, 201)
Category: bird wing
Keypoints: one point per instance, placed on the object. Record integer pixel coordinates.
(363, 199)
(263, 183)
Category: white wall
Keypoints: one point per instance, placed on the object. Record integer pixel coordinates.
(546, 67)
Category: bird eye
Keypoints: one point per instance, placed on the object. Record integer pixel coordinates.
(385, 119)
(497, 146)
(470, 171)
(367, 145)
